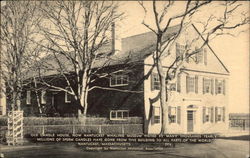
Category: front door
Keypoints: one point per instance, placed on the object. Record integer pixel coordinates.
(190, 121)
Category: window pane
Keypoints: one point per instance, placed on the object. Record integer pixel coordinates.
(119, 80)
(113, 114)
(119, 114)
(125, 114)
(113, 81)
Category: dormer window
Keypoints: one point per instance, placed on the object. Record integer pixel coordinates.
(118, 80)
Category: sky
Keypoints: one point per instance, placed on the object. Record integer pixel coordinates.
(233, 51)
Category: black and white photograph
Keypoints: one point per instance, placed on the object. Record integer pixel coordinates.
(134, 79)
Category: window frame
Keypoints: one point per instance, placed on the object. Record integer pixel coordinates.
(43, 97)
(156, 81)
(28, 97)
(67, 96)
(123, 77)
(220, 86)
(191, 79)
(116, 118)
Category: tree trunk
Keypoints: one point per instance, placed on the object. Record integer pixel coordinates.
(163, 98)
(163, 93)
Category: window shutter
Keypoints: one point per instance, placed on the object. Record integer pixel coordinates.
(169, 113)
(178, 83)
(205, 56)
(204, 114)
(216, 86)
(216, 114)
(196, 84)
(203, 85)
(179, 114)
(212, 114)
(153, 116)
(212, 86)
(187, 83)
(223, 112)
(152, 81)
(224, 87)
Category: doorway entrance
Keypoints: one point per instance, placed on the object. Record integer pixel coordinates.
(190, 121)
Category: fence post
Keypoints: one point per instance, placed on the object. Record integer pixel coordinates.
(244, 124)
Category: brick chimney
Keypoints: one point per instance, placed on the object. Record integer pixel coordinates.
(115, 40)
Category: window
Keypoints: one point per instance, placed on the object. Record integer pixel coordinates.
(43, 97)
(155, 82)
(118, 80)
(219, 114)
(208, 85)
(219, 86)
(190, 84)
(207, 114)
(172, 116)
(67, 96)
(119, 114)
(156, 115)
(28, 97)
(180, 50)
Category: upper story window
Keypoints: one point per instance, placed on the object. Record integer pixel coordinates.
(119, 114)
(155, 81)
(219, 86)
(192, 84)
(119, 80)
(67, 96)
(208, 85)
(43, 97)
(28, 97)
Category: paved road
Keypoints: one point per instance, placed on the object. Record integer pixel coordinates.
(218, 149)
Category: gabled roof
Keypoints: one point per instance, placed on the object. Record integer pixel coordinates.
(134, 49)
(211, 49)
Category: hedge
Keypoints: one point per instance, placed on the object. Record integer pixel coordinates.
(30, 121)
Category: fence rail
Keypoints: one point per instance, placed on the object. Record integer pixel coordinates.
(78, 128)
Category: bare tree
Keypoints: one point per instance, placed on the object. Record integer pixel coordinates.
(76, 36)
(18, 26)
(213, 26)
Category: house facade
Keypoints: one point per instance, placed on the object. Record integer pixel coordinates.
(197, 97)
